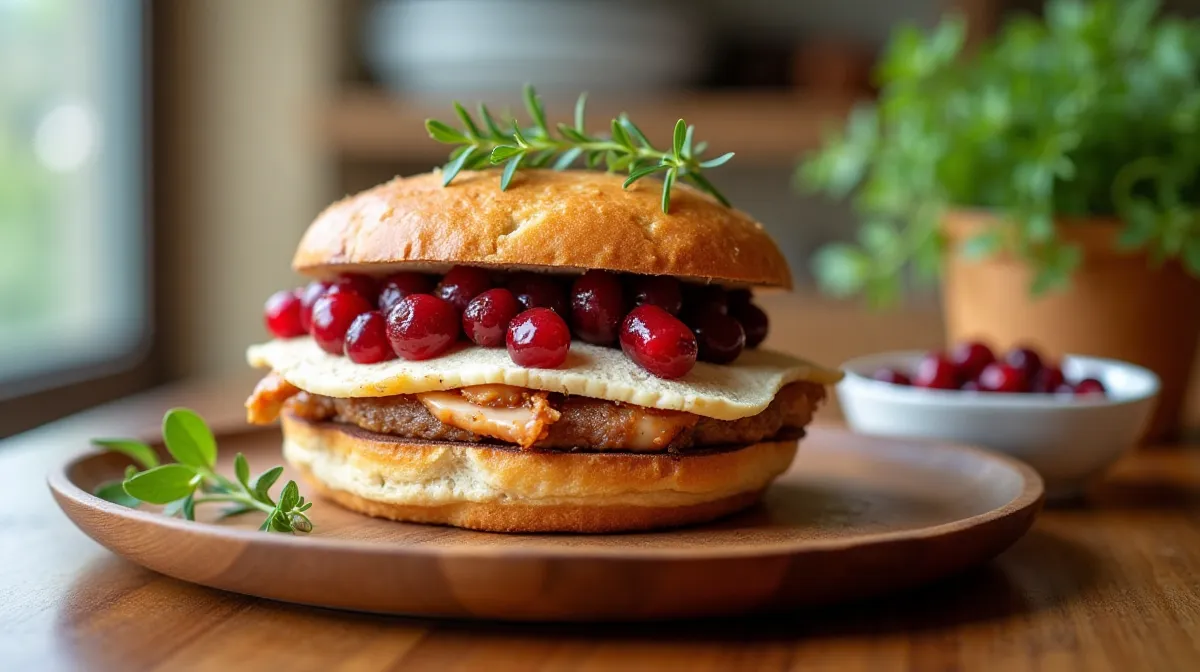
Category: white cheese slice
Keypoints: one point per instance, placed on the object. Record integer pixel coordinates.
(724, 392)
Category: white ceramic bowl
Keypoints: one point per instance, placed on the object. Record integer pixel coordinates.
(1069, 440)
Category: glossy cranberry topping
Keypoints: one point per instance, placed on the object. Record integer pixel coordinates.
(312, 291)
(331, 317)
(485, 321)
(1047, 380)
(699, 300)
(282, 314)
(367, 341)
(720, 338)
(1089, 386)
(397, 286)
(656, 290)
(538, 290)
(738, 298)
(1026, 359)
(463, 283)
(422, 326)
(935, 371)
(754, 322)
(659, 342)
(970, 358)
(597, 307)
(891, 376)
(363, 285)
(999, 377)
(539, 339)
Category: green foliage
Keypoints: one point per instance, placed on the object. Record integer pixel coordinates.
(625, 148)
(181, 485)
(1094, 111)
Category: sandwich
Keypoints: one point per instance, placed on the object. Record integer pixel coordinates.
(557, 356)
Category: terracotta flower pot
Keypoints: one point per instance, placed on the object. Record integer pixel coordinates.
(1117, 306)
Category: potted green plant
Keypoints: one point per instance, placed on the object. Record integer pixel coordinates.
(1051, 176)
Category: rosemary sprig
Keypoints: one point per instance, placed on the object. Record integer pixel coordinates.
(191, 480)
(624, 148)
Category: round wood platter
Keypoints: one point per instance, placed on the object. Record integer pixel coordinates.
(855, 516)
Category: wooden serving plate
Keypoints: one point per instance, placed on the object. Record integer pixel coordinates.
(854, 517)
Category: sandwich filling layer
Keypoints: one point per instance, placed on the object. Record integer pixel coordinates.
(535, 419)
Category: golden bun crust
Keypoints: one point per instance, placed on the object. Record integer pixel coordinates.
(498, 489)
(564, 221)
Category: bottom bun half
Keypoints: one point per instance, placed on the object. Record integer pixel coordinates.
(500, 489)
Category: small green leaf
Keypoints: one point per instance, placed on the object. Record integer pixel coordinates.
(189, 507)
(280, 523)
(700, 147)
(188, 438)
(842, 270)
(237, 510)
(719, 161)
(163, 484)
(680, 136)
(640, 173)
(668, 182)
(241, 468)
(468, 122)
(536, 112)
(503, 153)
(580, 110)
(634, 131)
(490, 122)
(621, 136)
(594, 158)
(1141, 225)
(454, 167)
(509, 169)
(266, 524)
(138, 451)
(262, 487)
(444, 133)
(687, 141)
(518, 137)
(572, 134)
(289, 497)
(114, 491)
(568, 157)
(983, 245)
(1191, 254)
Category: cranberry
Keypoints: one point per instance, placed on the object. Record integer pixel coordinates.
(1027, 360)
(704, 298)
(1048, 380)
(720, 338)
(422, 326)
(658, 342)
(738, 298)
(485, 321)
(400, 285)
(970, 386)
(657, 290)
(935, 371)
(1089, 386)
(461, 284)
(357, 283)
(538, 290)
(539, 339)
(282, 314)
(313, 291)
(970, 359)
(367, 341)
(331, 317)
(892, 376)
(754, 322)
(998, 377)
(597, 306)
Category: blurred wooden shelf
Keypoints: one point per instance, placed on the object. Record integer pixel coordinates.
(763, 127)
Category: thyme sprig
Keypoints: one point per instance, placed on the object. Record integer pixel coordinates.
(623, 148)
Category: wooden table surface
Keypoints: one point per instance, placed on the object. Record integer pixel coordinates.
(1112, 584)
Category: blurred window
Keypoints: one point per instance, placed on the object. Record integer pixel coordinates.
(73, 245)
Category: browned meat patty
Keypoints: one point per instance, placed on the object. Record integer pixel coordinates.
(585, 424)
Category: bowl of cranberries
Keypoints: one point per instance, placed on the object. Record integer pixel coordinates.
(1069, 419)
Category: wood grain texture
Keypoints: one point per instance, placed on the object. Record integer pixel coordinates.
(1113, 584)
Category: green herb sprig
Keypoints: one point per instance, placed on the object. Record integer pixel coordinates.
(1093, 111)
(624, 148)
(191, 480)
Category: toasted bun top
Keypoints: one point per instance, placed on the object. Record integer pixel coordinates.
(565, 221)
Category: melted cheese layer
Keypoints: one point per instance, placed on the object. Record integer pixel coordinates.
(724, 392)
